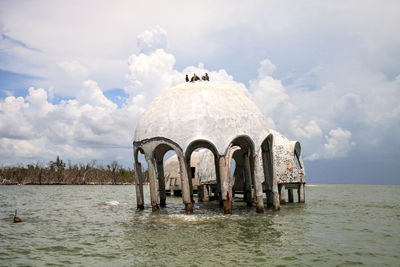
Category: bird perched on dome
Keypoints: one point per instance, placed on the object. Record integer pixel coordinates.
(205, 77)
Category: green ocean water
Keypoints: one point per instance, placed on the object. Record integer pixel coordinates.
(339, 225)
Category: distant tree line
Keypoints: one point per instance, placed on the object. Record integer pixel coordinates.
(56, 172)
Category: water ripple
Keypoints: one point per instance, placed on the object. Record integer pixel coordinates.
(99, 225)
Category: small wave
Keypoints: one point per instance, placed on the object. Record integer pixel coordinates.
(112, 203)
(183, 217)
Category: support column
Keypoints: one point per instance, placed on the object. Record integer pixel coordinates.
(217, 173)
(153, 185)
(282, 194)
(226, 190)
(270, 198)
(258, 178)
(190, 180)
(203, 193)
(247, 181)
(161, 183)
(185, 187)
(290, 193)
(300, 193)
(275, 197)
(139, 186)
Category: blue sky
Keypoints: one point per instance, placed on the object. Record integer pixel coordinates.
(76, 75)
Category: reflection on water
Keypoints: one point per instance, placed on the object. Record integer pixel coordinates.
(87, 225)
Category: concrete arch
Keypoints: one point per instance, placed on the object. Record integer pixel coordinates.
(155, 149)
(241, 145)
(244, 142)
(202, 143)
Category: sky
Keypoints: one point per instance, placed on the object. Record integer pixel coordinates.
(75, 76)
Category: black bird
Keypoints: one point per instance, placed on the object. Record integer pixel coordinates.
(17, 219)
(187, 78)
(205, 77)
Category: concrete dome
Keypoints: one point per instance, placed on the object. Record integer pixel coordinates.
(208, 111)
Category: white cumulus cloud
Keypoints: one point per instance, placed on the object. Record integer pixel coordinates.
(74, 67)
(151, 40)
(338, 144)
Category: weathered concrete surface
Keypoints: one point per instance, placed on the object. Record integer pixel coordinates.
(301, 193)
(153, 186)
(226, 190)
(258, 180)
(139, 186)
(284, 161)
(282, 194)
(161, 182)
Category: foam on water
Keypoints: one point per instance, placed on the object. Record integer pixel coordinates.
(112, 203)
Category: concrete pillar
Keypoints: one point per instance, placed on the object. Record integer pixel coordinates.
(185, 187)
(189, 171)
(161, 183)
(301, 193)
(200, 193)
(139, 186)
(206, 194)
(258, 179)
(203, 193)
(153, 185)
(270, 198)
(282, 194)
(275, 197)
(290, 193)
(247, 181)
(226, 189)
(218, 191)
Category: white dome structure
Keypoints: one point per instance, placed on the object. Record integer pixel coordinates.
(202, 111)
(216, 117)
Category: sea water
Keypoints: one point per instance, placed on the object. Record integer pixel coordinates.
(339, 225)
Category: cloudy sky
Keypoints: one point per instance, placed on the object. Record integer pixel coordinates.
(76, 75)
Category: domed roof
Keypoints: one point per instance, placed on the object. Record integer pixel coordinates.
(202, 111)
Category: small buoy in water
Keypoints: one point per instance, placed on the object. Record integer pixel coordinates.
(17, 219)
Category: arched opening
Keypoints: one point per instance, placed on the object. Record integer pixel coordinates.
(202, 157)
(158, 154)
(172, 174)
(154, 151)
(297, 152)
(240, 153)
